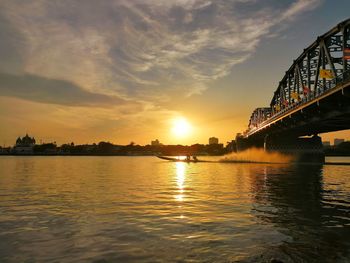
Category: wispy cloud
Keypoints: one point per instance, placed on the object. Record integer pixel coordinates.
(144, 50)
(300, 7)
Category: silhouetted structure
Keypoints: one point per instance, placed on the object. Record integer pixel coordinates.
(326, 144)
(213, 140)
(155, 142)
(338, 141)
(24, 145)
(342, 149)
(27, 146)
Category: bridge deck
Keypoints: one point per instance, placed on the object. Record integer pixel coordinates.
(302, 104)
(313, 95)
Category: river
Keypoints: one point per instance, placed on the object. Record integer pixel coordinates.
(143, 209)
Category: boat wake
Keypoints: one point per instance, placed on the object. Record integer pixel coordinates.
(255, 155)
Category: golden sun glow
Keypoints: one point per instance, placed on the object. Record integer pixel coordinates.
(181, 127)
(180, 179)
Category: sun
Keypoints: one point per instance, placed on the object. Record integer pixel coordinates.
(181, 127)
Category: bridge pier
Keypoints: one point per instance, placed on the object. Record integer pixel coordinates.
(243, 143)
(305, 150)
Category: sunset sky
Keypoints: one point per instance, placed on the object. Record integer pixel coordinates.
(125, 70)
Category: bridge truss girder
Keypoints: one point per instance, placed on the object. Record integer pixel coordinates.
(331, 113)
(326, 55)
(323, 66)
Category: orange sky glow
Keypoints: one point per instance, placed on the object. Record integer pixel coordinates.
(136, 71)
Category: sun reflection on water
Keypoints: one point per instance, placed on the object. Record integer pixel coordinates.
(180, 180)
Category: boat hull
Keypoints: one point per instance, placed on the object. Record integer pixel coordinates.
(174, 159)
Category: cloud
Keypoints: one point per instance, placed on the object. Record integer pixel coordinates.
(142, 49)
(10, 51)
(53, 91)
(300, 6)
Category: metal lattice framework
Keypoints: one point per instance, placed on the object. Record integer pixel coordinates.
(321, 67)
(259, 115)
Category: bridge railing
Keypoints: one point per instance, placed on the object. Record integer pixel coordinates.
(330, 85)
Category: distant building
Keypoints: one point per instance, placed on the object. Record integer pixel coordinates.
(4, 150)
(326, 144)
(213, 140)
(24, 145)
(338, 141)
(155, 142)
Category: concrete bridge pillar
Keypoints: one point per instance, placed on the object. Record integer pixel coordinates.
(243, 143)
(305, 150)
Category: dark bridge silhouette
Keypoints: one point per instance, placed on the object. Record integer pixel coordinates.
(313, 97)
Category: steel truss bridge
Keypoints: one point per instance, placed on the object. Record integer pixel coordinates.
(314, 94)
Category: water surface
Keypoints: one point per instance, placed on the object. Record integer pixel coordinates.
(142, 209)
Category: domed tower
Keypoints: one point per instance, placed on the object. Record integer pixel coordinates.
(18, 141)
(27, 141)
(24, 146)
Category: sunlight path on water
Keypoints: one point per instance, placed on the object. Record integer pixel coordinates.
(144, 209)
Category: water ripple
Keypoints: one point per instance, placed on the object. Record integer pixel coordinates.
(137, 209)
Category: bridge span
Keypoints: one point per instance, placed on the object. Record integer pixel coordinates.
(313, 97)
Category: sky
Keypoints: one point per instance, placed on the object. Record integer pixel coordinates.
(122, 71)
